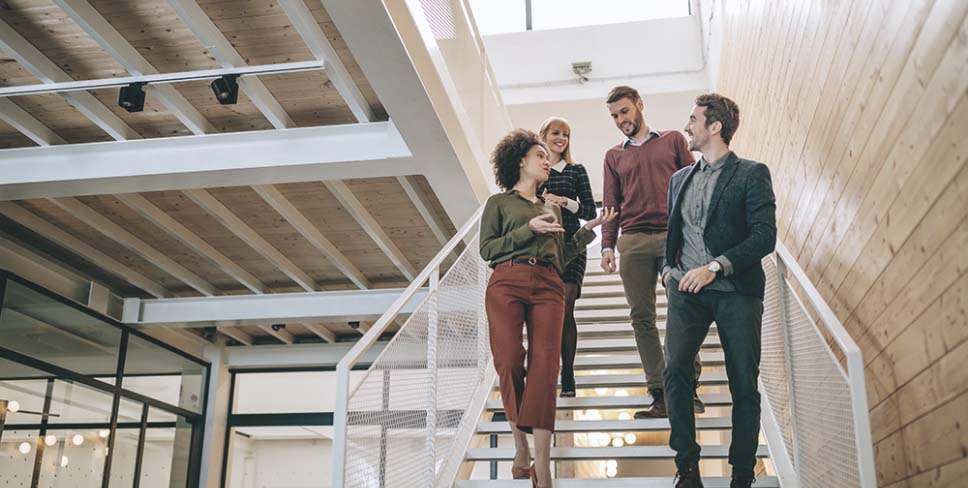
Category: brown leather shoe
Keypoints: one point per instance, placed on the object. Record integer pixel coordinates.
(520, 473)
(657, 410)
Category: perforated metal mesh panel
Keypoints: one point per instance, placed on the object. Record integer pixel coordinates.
(811, 400)
(404, 413)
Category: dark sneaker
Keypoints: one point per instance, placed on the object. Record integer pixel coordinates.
(742, 481)
(688, 477)
(657, 410)
(567, 386)
(697, 405)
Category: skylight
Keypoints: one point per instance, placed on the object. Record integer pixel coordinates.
(503, 16)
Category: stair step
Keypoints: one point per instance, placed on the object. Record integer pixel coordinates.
(613, 315)
(618, 402)
(600, 278)
(622, 328)
(604, 291)
(631, 361)
(625, 344)
(638, 380)
(642, 425)
(707, 481)
(600, 303)
(624, 452)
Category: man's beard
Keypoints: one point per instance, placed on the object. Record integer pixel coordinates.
(636, 125)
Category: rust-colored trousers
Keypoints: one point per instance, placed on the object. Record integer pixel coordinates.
(522, 294)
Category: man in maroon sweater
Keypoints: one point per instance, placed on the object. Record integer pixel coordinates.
(637, 174)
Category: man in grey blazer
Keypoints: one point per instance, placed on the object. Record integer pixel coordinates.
(722, 222)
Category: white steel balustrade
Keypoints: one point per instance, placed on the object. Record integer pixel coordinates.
(815, 414)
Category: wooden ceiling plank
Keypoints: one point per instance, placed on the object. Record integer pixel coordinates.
(305, 24)
(288, 211)
(47, 71)
(282, 334)
(372, 228)
(96, 26)
(321, 331)
(233, 223)
(120, 235)
(49, 231)
(219, 46)
(19, 119)
(236, 334)
(161, 219)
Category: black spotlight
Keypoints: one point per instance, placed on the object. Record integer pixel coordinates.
(226, 89)
(132, 97)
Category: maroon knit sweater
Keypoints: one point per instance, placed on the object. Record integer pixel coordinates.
(637, 183)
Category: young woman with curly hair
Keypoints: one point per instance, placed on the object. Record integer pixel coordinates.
(567, 187)
(523, 239)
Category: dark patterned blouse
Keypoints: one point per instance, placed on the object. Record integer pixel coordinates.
(572, 183)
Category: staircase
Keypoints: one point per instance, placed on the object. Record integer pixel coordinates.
(611, 388)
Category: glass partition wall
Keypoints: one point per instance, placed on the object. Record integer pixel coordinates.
(86, 402)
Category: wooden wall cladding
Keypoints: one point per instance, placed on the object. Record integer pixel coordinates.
(860, 107)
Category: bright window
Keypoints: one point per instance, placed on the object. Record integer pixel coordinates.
(502, 16)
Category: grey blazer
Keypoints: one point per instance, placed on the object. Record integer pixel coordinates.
(741, 223)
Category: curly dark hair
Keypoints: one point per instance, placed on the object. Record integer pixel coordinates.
(507, 155)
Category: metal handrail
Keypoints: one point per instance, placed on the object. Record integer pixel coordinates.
(431, 272)
(787, 265)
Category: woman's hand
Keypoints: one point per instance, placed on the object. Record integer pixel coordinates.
(554, 199)
(545, 224)
(608, 214)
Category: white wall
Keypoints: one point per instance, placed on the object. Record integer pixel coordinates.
(592, 129)
(280, 463)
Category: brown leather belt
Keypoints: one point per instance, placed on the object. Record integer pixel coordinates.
(533, 261)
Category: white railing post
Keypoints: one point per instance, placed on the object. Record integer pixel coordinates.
(340, 424)
(862, 427)
(432, 324)
(785, 327)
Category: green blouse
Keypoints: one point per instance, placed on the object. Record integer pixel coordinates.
(505, 233)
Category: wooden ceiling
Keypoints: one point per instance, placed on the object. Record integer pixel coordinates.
(256, 237)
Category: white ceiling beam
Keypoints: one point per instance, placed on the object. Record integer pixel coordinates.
(371, 226)
(233, 223)
(423, 206)
(305, 24)
(273, 308)
(19, 119)
(175, 229)
(96, 26)
(282, 334)
(288, 211)
(321, 331)
(47, 71)
(215, 160)
(218, 46)
(302, 355)
(120, 235)
(49, 231)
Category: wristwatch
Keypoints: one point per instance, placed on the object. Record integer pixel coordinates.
(715, 267)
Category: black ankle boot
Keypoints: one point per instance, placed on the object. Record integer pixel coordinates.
(742, 481)
(688, 476)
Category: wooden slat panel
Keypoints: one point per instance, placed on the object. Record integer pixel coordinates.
(859, 109)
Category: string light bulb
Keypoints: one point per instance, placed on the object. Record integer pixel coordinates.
(13, 406)
(24, 448)
(50, 439)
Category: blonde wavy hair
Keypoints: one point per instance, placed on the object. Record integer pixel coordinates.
(546, 127)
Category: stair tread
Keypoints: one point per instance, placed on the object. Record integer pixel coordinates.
(635, 425)
(638, 380)
(652, 482)
(617, 402)
(624, 452)
(625, 343)
(629, 361)
(623, 328)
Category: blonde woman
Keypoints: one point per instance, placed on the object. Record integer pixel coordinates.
(567, 187)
